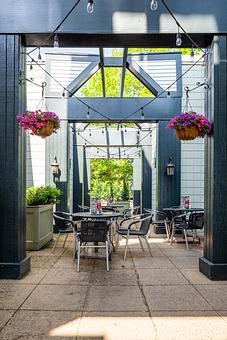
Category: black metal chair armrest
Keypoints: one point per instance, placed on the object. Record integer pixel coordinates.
(137, 221)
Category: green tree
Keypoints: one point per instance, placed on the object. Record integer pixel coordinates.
(111, 178)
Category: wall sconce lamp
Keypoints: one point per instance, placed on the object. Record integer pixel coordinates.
(56, 172)
(170, 168)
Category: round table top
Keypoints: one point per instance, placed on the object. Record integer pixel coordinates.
(183, 209)
(95, 216)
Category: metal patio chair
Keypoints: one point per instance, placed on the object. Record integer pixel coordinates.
(63, 224)
(91, 233)
(137, 226)
(160, 218)
(188, 221)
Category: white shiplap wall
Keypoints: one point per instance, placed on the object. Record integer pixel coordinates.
(192, 152)
(162, 71)
(35, 165)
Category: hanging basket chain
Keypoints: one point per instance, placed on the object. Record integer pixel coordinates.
(41, 104)
(188, 106)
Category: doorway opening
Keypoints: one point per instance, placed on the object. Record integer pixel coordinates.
(110, 178)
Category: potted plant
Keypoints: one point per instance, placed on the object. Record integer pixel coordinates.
(39, 215)
(40, 123)
(190, 125)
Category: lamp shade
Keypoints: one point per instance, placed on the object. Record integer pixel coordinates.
(170, 168)
(55, 167)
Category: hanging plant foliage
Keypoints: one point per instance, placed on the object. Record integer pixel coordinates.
(41, 123)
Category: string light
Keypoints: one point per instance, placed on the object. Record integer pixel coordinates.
(88, 112)
(39, 55)
(63, 93)
(192, 53)
(90, 6)
(142, 113)
(56, 42)
(125, 130)
(178, 37)
(154, 5)
(102, 130)
(90, 133)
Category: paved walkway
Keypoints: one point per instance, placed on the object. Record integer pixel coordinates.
(163, 297)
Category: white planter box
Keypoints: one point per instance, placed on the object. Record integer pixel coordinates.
(39, 226)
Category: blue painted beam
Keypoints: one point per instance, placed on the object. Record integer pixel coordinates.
(118, 17)
(115, 109)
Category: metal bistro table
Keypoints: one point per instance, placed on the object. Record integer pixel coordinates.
(173, 211)
(104, 216)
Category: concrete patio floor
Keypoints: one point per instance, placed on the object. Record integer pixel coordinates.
(160, 297)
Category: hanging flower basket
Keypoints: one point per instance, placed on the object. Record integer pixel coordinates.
(187, 133)
(40, 123)
(190, 125)
(46, 130)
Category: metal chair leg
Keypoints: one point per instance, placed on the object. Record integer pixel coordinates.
(78, 257)
(167, 230)
(56, 242)
(107, 256)
(172, 234)
(141, 244)
(117, 242)
(149, 247)
(65, 240)
(126, 246)
(186, 239)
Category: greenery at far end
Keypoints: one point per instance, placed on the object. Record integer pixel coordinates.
(42, 195)
(111, 178)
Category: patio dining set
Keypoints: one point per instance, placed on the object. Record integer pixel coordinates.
(104, 230)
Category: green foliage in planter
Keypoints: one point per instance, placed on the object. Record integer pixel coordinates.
(42, 195)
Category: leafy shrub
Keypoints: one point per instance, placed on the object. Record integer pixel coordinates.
(42, 195)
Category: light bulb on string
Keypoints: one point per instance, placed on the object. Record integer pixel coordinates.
(192, 53)
(90, 6)
(56, 42)
(154, 5)
(97, 151)
(90, 133)
(88, 112)
(31, 71)
(178, 37)
(63, 93)
(142, 113)
(125, 130)
(102, 130)
(39, 55)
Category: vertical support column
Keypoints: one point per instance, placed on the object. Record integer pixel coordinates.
(146, 176)
(214, 262)
(77, 173)
(13, 261)
(168, 187)
(137, 181)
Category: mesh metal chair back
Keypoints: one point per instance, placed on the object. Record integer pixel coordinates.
(196, 220)
(145, 223)
(136, 210)
(93, 231)
(61, 221)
